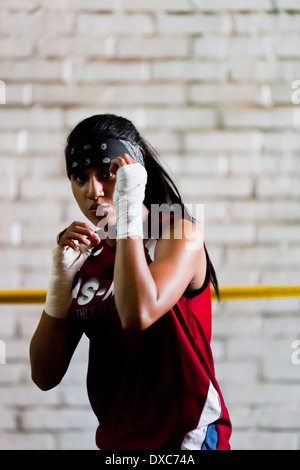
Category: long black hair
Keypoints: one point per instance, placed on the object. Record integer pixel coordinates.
(160, 188)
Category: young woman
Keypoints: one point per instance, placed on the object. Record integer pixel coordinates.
(139, 288)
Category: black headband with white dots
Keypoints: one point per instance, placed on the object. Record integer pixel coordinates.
(100, 153)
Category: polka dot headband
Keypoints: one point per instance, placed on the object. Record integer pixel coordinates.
(92, 155)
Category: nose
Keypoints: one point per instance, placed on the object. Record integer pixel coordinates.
(94, 188)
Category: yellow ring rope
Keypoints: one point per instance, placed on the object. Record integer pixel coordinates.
(257, 292)
(37, 296)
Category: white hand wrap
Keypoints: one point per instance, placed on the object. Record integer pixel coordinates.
(128, 200)
(65, 264)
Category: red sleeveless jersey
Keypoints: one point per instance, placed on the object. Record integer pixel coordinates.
(155, 389)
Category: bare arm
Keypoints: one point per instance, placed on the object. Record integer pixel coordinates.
(51, 349)
(58, 333)
(143, 292)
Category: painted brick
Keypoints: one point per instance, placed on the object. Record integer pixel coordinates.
(230, 48)
(152, 48)
(275, 141)
(267, 256)
(57, 419)
(283, 277)
(288, 414)
(32, 211)
(110, 72)
(39, 118)
(66, 46)
(19, 6)
(40, 21)
(28, 395)
(266, 23)
(264, 164)
(243, 326)
(35, 70)
(265, 71)
(232, 234)
(186, 70)
(7, 322)
(271, 233)
(278, 188)
(202, 164)
(158, 5)
(233, 5)
(117, 23)
(18, 95)
(225, 94)
(27, 441)
(77, 441)
(181, 118)
(193, 24)
(44, 189)
(262, 440)
(8, 421)
(280, 118)
(218, 187)
(238, 371)
(245, 276)
(209, 84)
(289, 5)
(15, 48)
(224, 141)
(41, 142)
(60, 6)
(105, 95)
(262, 211)
(45, 165)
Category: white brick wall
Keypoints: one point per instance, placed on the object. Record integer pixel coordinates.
(209, 83)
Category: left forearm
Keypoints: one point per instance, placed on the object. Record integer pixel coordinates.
(135, 289)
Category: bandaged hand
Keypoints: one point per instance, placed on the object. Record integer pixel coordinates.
(128, 200)
(65, 264)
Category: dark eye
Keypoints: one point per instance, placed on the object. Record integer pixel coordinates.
(79, 177)
(106, 174)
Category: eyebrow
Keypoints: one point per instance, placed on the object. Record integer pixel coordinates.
(85, 171)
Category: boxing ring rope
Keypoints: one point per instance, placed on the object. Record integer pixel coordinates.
(38, 296)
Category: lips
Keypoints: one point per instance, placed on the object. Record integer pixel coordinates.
(94, 207)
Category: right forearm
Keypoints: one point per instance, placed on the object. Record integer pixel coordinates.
(51, 349)
(58, 333)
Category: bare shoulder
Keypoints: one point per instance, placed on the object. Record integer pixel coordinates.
(182, 235)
